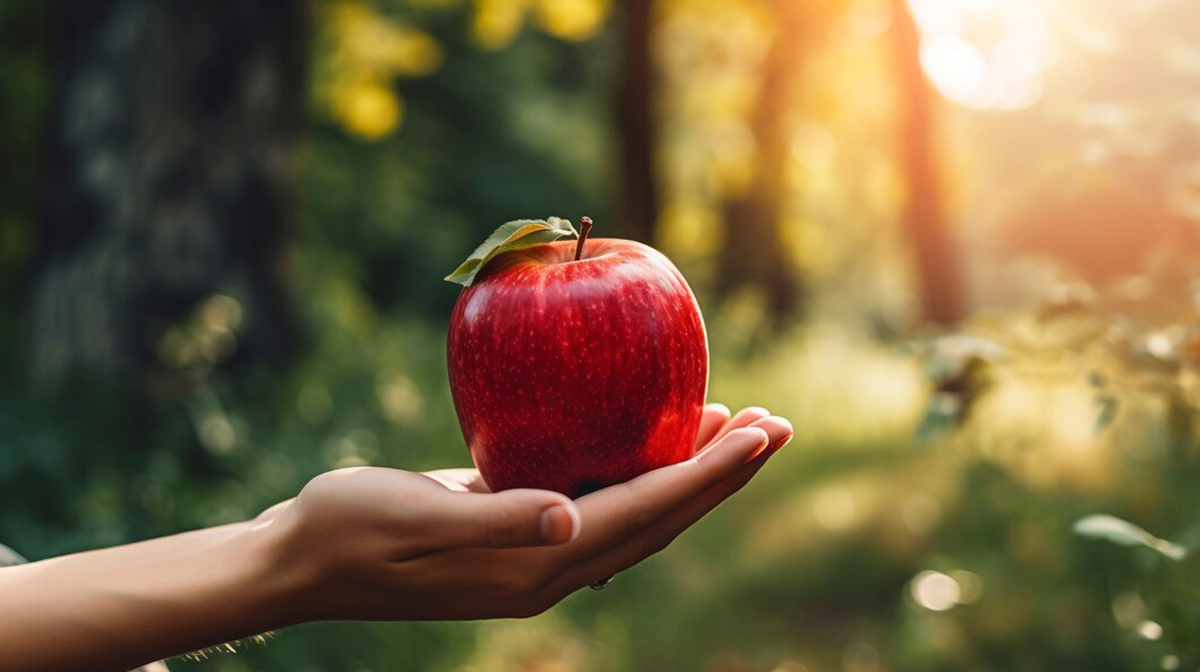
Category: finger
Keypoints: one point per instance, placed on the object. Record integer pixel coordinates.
(459, 480)
(778, 428)
(620, 510)
(743, 418)
(512, 518)
(658, 536)
(652, 540)
(712, 419)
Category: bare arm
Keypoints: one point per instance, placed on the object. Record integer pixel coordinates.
(370, 544)
(117, 608)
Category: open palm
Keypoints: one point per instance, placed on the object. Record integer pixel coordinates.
(373, 543)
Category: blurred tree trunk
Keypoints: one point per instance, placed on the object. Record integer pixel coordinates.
(753, 253)
(935, 258)
(168, 164)
(636, 121)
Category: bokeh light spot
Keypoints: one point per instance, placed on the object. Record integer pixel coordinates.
(1128, 609)
(934, 591)
(400, 399)
(970, 586)
(921, 513)
(834, 509)
(217, 433)
(860, 657)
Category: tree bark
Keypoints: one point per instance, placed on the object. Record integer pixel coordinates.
(167, 175)
(636, 122)
(753, 253)
(934, 254)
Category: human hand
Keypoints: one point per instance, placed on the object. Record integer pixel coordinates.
(366, 544)
(384, 544)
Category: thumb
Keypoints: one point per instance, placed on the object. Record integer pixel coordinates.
(505, 519)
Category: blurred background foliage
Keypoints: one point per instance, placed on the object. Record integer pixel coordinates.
(954, 241)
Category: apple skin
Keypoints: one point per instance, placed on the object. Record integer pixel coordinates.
(574, 375)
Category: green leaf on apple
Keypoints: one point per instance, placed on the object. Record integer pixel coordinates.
(510, 236)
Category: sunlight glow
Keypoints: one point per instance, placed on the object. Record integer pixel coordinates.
(984, 54)
(956, 67)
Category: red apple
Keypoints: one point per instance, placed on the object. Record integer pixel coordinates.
(574, 374)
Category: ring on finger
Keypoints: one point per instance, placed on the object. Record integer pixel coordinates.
(601, 584)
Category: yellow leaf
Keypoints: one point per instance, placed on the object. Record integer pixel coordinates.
(366, 108)
(496, 22)
(574, 20)
(414, 53)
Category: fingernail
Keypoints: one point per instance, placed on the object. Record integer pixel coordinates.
(557, 525)
(755, 440)
(782, 442)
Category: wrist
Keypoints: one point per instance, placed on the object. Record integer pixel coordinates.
(271, 564)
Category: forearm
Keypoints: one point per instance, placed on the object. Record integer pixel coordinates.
(122, 607)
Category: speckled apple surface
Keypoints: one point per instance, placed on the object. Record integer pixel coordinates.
(571, 375)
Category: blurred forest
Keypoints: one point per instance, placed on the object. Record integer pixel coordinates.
(957, 242)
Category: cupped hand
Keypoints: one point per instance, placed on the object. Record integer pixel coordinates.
(384, 544)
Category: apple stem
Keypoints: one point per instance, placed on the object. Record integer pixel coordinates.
(585, 223)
